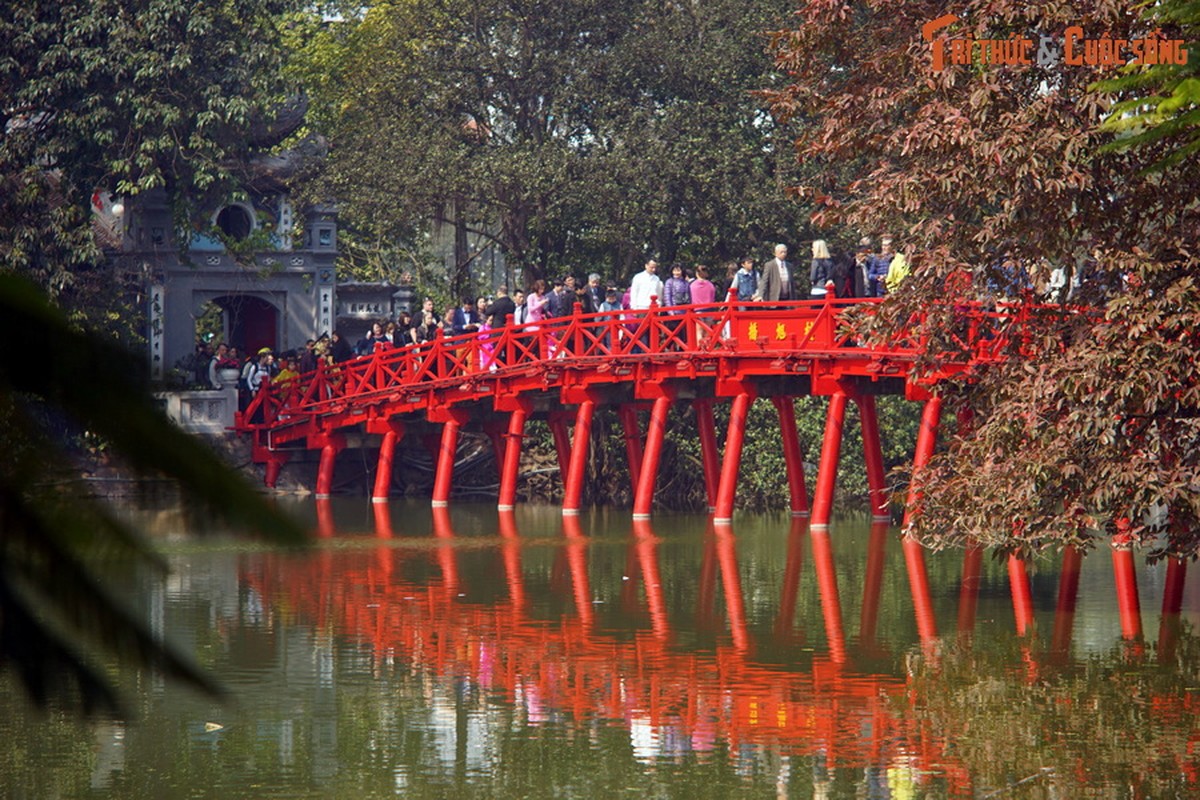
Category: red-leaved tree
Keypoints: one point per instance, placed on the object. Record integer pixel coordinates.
(1091, 428)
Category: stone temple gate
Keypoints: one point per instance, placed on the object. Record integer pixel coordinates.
(277, 295)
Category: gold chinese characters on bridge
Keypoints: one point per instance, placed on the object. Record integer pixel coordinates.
(778, 335)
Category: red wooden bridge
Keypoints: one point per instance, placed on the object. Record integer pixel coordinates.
(561, 370)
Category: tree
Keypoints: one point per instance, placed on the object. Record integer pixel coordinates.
(122, 97)
(1092, 431)
(572, 134)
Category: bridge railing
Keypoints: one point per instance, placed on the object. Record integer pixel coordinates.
(983, 332)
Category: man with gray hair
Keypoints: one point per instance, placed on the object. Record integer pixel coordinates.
(591, 297)
(776, 283)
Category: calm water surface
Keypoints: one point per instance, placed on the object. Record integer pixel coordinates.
(409, 655)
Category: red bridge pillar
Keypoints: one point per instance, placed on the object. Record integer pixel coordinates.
(830, 452)
(873, 456)
(914, 554)
(562, 442)
(727, 490)
(512, 458)
(331, 444)
(706, 429)
(792, 455)
(452, 422)
(577, 465)
(1128, 604)
(393, 433)
(643, 499)
(633, 442)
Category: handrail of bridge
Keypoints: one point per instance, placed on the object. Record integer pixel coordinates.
(813, 328)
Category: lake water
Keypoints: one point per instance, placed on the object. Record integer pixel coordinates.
(408, 655)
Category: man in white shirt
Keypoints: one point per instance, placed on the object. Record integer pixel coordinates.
(645, 284)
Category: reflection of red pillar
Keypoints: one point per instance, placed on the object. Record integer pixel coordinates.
(1128, 604)
(510, 550)
(383, 530)
(827, 469)
(918, 584)
(705, 427)
(512, 460)
(576, 548)
(727, 490)
(706, 588)
(633, 442)
(1168, 626)
(831, 604)
(968, 589)
(873, 582)
(1064, 609)
(325, 526)
(647, 556)
(577, 465)
(792, 454)
(873, 456)
(447, 452)
(914, 554)
(447, 560)
(332, 446)
(1022, 595)
(644, 498)
(791, 578)
(508, 525)
(731, 580)
(562, 442)
(383, 471)
(383, 520)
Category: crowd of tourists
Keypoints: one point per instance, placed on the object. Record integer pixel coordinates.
(867, 272)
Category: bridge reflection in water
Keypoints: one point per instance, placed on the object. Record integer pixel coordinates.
(837, 707)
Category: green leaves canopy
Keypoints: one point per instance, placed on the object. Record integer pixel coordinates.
(581, 133)
(124, 97)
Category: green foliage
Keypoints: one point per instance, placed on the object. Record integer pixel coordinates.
(1163, 115)
(123, 97)
(579, 134)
